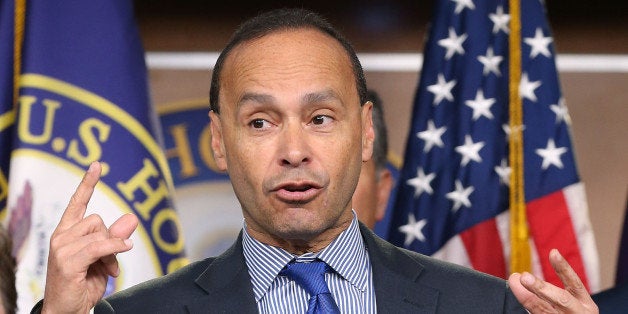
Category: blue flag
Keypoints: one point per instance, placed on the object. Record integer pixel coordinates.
(7, 112)
(453, 191)
(82, 96)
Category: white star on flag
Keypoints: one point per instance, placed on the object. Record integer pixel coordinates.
(481, 106)
(469, 151)
(442, 89)
(526, 88)
(500, 20)
(539, 44)
(551, 154)
(561, 111)
(413, 229)
(458, 152)
(491, 62)
(453, 43)
(462, 4)
(460, 196)
(432, 136)
(503, 171)
(421, 183)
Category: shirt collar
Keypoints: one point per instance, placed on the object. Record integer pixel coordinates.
(346, 255)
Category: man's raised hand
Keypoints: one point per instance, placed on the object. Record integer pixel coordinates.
(82, 252)
(539, 296)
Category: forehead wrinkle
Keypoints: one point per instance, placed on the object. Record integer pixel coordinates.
(288, 63)
(327, 95)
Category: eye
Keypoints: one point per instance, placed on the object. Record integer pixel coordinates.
(259, 124)
(321, 119)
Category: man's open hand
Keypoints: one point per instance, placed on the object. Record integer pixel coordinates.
(82, 252)
(538, 296)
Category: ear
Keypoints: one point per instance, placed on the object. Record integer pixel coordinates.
(384, 187)
(217, 143)
(368, 133)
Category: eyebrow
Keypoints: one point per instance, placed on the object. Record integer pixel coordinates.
(257, 98)
(318, 97)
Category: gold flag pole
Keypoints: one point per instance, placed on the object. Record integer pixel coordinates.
(520, 260)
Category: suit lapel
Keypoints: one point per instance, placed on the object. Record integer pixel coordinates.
(396, 277)
(227, 284)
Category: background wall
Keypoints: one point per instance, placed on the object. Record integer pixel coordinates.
(597, 101)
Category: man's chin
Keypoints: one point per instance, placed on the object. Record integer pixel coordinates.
(296, 232)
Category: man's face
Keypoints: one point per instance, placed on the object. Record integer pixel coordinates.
(371, 194)
(292, 135)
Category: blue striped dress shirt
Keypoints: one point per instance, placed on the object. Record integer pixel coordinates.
(351, 283)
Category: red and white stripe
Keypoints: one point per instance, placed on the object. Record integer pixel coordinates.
(559, 220)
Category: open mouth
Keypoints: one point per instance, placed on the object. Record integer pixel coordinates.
(301, 188)
(297, 192)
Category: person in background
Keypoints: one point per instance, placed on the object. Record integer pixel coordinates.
(291, 124)
(376, 182)
(614, 300)
(8, 294)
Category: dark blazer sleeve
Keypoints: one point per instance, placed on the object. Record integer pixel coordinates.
(166, 294)
(101, 307)
(215, 285)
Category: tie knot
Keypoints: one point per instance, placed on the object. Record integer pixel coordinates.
(310, 276)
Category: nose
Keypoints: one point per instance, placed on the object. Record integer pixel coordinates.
(294, 149)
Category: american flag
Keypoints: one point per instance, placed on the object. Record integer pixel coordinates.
(453, 197)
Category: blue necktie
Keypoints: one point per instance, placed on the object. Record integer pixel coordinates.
(311, 277)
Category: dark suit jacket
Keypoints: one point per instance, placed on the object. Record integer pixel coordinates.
(405, 282)
(613, 300)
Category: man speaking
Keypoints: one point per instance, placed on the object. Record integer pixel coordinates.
(291, 124)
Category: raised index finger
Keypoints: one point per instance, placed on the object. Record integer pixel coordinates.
(78, 203)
